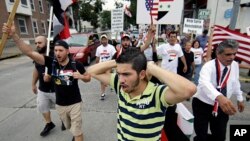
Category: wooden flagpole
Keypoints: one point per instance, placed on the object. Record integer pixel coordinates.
(9, 22)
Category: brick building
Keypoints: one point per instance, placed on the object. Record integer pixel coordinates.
(32, 17)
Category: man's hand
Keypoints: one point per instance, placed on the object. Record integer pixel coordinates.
(84, 77)
(241, 106)
(9, 30)
(185, 69)
(77, 75)
(226, 105)
(34, 89)
(46, 78)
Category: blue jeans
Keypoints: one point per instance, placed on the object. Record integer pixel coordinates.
(197, 74)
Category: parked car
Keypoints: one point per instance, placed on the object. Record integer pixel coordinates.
(83, 47)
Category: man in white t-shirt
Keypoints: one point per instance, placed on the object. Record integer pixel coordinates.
(104, 53)
(170, 53)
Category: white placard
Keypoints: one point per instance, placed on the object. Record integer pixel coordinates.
(194, 26)
(163, 11)
(117, 18)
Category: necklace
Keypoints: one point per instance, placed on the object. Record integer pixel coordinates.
(62, 67)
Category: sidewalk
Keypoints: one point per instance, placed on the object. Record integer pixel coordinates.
(10, 50)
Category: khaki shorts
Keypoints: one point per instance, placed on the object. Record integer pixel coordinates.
(72, 117)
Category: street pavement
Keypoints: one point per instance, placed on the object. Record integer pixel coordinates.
(19, 119)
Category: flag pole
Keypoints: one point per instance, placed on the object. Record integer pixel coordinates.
(209, 46)
(49, 35)
(9, 22)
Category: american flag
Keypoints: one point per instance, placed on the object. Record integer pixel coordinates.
(222, 33)
(152, 5)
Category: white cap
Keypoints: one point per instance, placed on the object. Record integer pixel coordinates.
(104, 36)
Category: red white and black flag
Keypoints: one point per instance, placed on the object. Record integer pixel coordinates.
(127, 12)
(221, 33)
(60, 22)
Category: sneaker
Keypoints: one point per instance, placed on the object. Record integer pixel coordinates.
(63, 127)
(103, 96)
(47, 128)
(111, 90)
(248, 97)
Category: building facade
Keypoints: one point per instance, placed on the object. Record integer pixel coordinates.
(31, 19)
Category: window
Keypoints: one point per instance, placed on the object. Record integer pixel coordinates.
(24, 2)
(32, 5)
(35, 27)
(43, 28)
(22, 26)
(40, 6)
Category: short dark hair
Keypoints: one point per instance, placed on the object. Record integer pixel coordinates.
(228, 43)
(195, 42)
(172, 32)
(205, 31)
(134, 57)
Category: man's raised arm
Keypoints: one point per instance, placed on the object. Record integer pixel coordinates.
(179, 89)
(25, 48)
(99, 71)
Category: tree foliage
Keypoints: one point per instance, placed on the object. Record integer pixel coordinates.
(105, 19)
(89, 11)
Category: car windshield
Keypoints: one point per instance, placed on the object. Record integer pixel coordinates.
(78, 40)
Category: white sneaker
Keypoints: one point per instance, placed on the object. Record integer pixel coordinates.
(103, 96)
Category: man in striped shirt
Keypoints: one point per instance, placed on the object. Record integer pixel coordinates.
(141, 103)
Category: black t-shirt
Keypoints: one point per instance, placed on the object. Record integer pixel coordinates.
(66, 87)
(189, 60)
(44, 86)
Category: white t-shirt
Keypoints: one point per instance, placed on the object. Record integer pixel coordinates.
(197, 55)
(149, 53)
(170, 56)
(105, 53)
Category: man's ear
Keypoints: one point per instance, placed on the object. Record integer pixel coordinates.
(143, 74)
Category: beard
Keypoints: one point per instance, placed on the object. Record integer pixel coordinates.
(41, 50)
(134, 85)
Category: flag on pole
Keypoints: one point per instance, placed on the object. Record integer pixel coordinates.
(127, 12)
(222, 33)
(60, 21)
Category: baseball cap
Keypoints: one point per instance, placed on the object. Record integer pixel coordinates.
(125, 36)
(104, 36)
(62, 43)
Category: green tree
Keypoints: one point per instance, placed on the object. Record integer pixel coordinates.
(105, 19)
(89, 11)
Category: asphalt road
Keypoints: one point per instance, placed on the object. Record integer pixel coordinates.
(20, 120)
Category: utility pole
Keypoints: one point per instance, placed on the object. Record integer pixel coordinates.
(236, 7)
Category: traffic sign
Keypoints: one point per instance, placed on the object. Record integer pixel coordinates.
(203, 14)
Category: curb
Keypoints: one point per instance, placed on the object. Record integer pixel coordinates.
(10, 56)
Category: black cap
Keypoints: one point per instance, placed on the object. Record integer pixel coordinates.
(62, 43)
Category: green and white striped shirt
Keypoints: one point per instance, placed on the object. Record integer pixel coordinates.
(141, 118)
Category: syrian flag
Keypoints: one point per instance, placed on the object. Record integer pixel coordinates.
(127, 12)
(221, 33)
(60, 21)
(164, 8)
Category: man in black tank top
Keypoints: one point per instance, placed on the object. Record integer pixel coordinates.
(45, 91)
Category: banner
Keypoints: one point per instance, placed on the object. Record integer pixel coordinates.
(162, 11)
